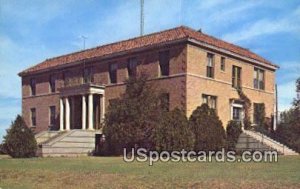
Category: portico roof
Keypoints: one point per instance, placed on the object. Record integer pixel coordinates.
(82, 89)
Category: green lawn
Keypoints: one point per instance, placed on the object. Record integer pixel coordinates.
(112, 172)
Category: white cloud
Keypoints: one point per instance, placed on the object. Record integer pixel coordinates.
(287, 24)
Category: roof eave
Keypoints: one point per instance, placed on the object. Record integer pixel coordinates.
(197, 42)
(177, 41)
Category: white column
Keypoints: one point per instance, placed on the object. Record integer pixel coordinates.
(61, 114)
(83, 112)
(102, 107)
(90, 109)
(67, 114)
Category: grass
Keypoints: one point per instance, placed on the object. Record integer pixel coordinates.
(112, 172)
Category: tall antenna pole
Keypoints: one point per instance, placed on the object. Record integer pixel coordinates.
(142, 18)
(84, 38)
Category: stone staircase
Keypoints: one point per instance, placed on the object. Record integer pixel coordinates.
(45, 135)
(68, 143)
(255, 141)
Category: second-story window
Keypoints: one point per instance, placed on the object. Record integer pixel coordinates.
(132, 67)
(33, 86)
(113, 72)
(210, 65)
(67, 78)
(33, 117)
(223, 63)
(236, 77)
(52, 83)
(164, 63)
(259, 79)
(210, 100)
(87, 75)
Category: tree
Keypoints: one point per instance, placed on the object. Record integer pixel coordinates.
(19, 141)
(173, 132)
(208, 129)
(131, 119)
(288, 130)
(296, 102)
(233, 131)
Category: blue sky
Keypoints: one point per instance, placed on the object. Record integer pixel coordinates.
(33, 30)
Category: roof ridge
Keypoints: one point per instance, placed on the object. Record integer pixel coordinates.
(164, 36)
(113, 43)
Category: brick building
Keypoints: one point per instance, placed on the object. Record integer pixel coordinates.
(72, 91)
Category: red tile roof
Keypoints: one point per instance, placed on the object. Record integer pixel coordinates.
(177, 33)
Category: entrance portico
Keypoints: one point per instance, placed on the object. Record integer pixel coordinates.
(82, 107)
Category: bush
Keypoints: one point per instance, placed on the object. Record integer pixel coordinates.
(131, 119)
(19, 141)
(233, 131)
(173, 132)
(208, 129)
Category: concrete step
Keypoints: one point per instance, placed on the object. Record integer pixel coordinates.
(74, 144)
(69, 143)
(270, 142)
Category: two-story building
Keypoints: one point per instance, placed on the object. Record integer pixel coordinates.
(73, 91)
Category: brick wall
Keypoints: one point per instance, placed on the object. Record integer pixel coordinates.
(220, 85)
(147, 62)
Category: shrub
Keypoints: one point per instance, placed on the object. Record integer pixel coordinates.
(19, 141)
(173, 132)
(233, 131)
(208, 129)
(131, 119)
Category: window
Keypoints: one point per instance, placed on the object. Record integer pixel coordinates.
(259, 79)
(211, 101)
(210, 65)
(165, 101)
(132, 67)
(236, 77)
(236, 113)
(33, 86)
(33, 117)
(52, 83)
(67, 78)
(258, 113)
(52, 115)
(87, 75)
(223, 63)
(164, 60)
(113, 72)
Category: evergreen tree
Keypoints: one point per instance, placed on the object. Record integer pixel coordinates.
(174, 132)
(208, 129)
(131, 119)
(233, 131)
(19, 141)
